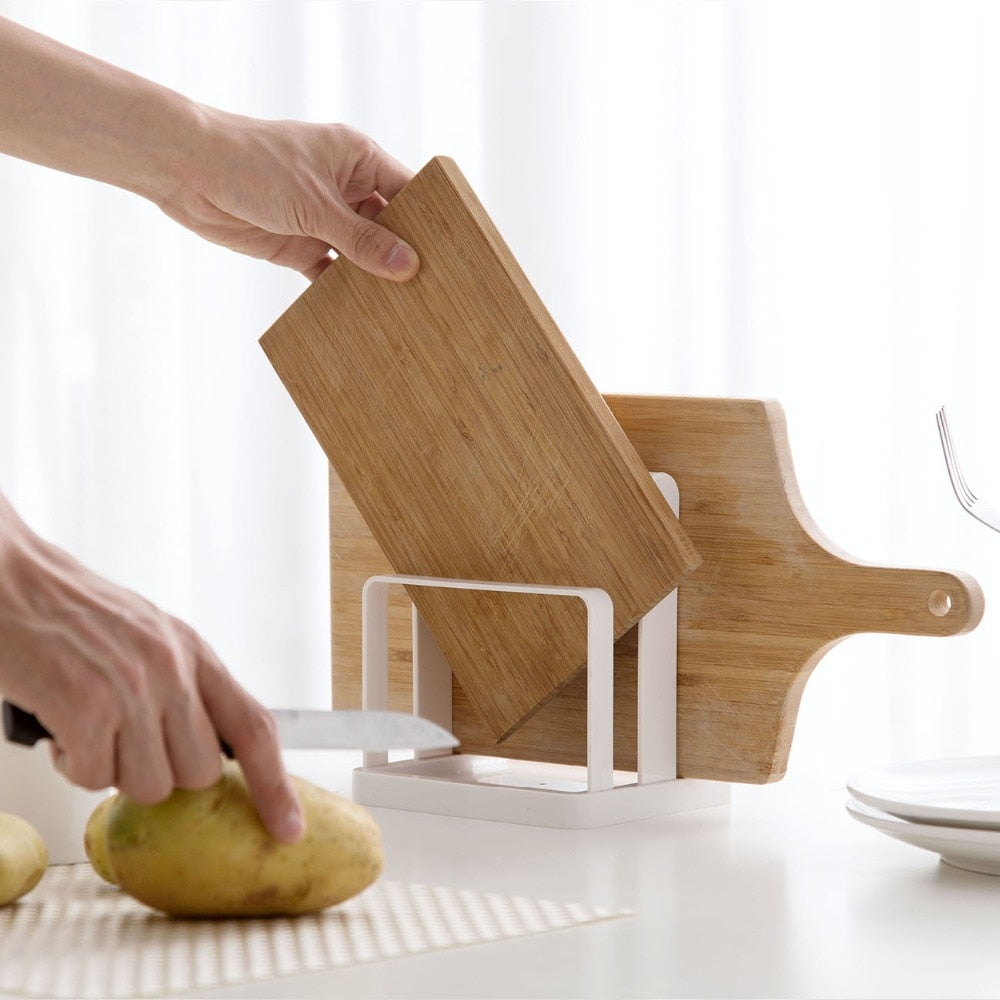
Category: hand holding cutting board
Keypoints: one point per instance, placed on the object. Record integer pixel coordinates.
(477, 448)
(283, 191)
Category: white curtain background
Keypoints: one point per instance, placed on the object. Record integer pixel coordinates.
(795, 200)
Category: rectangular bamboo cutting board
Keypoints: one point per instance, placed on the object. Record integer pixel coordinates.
(771, 597)
(476, 447)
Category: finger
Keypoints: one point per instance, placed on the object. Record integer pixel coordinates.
(84, 741)
(303, 253)
(90, 764)
(390, 176)
(371, 206)
(371, 246)
(250, 730)
(189, 736)
(143, 770)
(312, 273)
(192, 745)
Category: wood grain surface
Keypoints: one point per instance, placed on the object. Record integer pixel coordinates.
(770, 598)
(475, 446)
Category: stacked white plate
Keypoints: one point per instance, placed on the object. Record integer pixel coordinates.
(951, 807)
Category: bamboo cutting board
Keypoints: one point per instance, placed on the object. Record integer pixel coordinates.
(770, 598)
(475, 446)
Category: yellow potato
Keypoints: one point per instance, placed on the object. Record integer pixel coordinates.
(206, 853)
(23, 857)
(95, 840)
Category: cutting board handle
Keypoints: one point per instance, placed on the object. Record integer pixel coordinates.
(860, 596)
(865, 598)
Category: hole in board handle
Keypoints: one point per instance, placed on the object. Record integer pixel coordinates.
(939, 603)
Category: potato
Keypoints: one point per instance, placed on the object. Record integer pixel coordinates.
(23, 857)
(95, 840)
(206, 853)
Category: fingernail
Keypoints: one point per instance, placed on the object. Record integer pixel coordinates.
(403, 261)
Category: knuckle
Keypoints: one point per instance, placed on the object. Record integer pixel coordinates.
(202, 651)
(371, 242)
(348, 137)
(260, 725)
(131, 673)
(104, 708)
(256, 733)
(167, 667)
(184, 632)
(181, 701)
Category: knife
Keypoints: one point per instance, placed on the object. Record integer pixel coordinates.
(298, 728)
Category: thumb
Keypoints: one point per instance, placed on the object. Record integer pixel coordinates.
(373, 247)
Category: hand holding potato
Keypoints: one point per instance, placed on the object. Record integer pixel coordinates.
(133, 697)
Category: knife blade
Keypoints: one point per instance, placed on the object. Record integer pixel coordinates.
(298, 729)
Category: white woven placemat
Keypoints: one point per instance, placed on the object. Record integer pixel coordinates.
(75, 936)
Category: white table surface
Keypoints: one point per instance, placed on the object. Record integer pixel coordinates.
(778, 894)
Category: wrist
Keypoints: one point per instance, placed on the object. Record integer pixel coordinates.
(161, 141)
(181, 169)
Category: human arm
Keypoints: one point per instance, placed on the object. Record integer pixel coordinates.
(133, 697)
(279, 190)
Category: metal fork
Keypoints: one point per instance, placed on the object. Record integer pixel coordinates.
(979, 510)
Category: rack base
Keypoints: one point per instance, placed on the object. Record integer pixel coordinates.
(526, 792)
(534, 792)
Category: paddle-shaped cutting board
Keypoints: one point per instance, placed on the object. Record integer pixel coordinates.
(475, 446)
(771, 597)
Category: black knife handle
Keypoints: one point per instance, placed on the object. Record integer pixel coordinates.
(24, 728)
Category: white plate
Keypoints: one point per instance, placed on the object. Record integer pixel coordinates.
(963, 791)
(973, 850)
